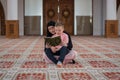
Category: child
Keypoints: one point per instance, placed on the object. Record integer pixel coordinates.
(59, 28)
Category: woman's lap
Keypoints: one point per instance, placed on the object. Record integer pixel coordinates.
(61, 53)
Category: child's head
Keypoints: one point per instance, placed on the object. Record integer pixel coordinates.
(59, 28)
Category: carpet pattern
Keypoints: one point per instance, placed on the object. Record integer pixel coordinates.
(98, 58)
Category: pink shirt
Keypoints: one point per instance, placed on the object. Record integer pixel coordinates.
(64, 38)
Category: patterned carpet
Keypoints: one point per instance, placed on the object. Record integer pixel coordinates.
(98, 58)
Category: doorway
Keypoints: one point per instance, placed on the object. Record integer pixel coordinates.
(2, 21)
(59, 9)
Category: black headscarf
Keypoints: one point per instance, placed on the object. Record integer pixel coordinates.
(52, 23)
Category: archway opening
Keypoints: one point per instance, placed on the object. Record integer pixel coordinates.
(2, 21)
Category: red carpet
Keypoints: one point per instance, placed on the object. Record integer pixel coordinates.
(98, 58)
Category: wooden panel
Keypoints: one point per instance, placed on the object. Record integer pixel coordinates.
(111, 28)
(84, 26)
(32, 25)
(12, 29)
(66, 15)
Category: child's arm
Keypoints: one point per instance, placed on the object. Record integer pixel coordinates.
(65, 40)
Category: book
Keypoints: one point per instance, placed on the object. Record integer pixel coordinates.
(53, 41)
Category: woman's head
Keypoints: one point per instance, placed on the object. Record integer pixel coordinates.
(50, 28)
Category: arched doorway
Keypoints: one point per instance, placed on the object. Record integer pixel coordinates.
(2, 21)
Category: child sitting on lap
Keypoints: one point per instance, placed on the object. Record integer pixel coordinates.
(59, 28)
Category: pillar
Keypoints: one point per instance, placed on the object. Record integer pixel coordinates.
(111, 23)
(12, 23)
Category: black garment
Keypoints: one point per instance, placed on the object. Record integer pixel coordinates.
(62, 53)
(51, 23)
(50, 55)
(70, 45)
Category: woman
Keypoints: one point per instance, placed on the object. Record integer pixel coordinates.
(65, 50)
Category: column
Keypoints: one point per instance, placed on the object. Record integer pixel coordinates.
(12, 23)
(111, 23)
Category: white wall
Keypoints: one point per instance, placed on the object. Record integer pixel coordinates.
(97, 17)
(33, 7)
(99, 9)
(111, 9)
(82, 8)
(21, 17)
(12, 9)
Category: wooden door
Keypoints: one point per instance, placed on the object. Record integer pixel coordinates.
(66, 13)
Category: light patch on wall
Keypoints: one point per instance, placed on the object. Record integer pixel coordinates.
(33, 7)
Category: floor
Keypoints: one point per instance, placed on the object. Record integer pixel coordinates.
(98, 58)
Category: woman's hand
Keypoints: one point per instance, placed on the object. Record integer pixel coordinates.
(63, 44)
(54, 49)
